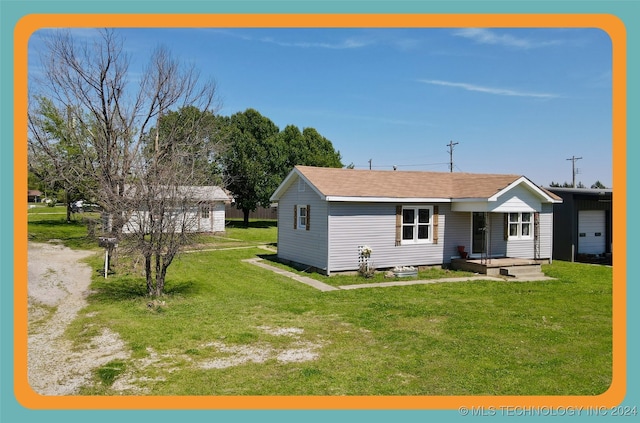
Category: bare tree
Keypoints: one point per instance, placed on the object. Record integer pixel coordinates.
(109, 122)
(172, 193)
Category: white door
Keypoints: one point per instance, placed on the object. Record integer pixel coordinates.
(591, 232)
(205, 218)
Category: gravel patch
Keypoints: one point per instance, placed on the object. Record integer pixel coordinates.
(59, 282)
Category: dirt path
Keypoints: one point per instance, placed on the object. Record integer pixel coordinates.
(58, 286)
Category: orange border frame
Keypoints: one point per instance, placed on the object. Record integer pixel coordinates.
(608, 23)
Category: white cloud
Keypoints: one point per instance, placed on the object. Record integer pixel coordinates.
(488, 90)
(345, 44)
(485, 36)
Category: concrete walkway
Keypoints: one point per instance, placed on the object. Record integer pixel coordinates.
(324, 287)
(420, 282)
(305, 280)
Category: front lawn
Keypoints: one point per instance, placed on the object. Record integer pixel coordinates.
(227, 327)
(230, 328)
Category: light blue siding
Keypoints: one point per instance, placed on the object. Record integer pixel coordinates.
(525, 248)
(457, 232)
(498, 244)
(303, 246)
(337, 229)
(546, 231)
(374, 224)
(517, 199)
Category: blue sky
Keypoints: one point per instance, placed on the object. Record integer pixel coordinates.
(517, 101)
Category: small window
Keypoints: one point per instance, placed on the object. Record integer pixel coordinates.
(417, 224)
(526, 225)
(408, 221)
(205, 212)
(302, 217)
(520, 225)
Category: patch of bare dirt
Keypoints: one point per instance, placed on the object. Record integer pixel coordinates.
(58, 284)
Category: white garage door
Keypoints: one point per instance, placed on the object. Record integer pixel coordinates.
(591, 232)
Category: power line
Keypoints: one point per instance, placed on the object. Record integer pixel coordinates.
(573, 168)
(451, 144)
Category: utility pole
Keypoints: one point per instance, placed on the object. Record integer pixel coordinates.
(573, 168)
(370, 164)
(451, 144)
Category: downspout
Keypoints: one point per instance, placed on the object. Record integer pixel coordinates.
(487, 235)
(328, 272)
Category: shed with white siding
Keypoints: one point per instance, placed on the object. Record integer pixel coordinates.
(326, 216)
(200, 209)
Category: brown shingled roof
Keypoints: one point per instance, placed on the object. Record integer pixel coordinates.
(404, 184)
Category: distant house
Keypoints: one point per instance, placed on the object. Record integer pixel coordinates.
(205, 211)
(327, 215)
(33, 196)
(582, 225)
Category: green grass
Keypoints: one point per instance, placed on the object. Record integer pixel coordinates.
(46, 223)
(352, 278)
(475, 338)
(108, 373)
(259, 231)
(467, 338)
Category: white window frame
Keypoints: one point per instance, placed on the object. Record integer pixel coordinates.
(205, 211)
(519, 224)
(300, 217)
(416, 224)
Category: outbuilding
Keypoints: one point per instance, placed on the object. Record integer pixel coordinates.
(327, 217)
(583, 228)
(203, 211)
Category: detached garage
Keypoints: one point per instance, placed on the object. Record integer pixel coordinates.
(582, 225)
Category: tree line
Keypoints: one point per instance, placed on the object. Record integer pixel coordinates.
(140, 146)
(595, 185)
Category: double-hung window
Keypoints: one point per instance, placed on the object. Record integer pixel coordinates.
(205, 211)
(417, 224)
(520, 225)
(302, 217)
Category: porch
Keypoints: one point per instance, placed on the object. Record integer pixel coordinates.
(502, 266)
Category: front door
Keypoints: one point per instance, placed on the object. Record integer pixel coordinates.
(479, 233)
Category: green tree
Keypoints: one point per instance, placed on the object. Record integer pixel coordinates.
(194, 138)
(60, 154)
(598, 185)
(259, 157)
(249, 160)
(320, 151)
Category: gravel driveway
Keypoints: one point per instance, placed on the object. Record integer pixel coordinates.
(58, 286)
